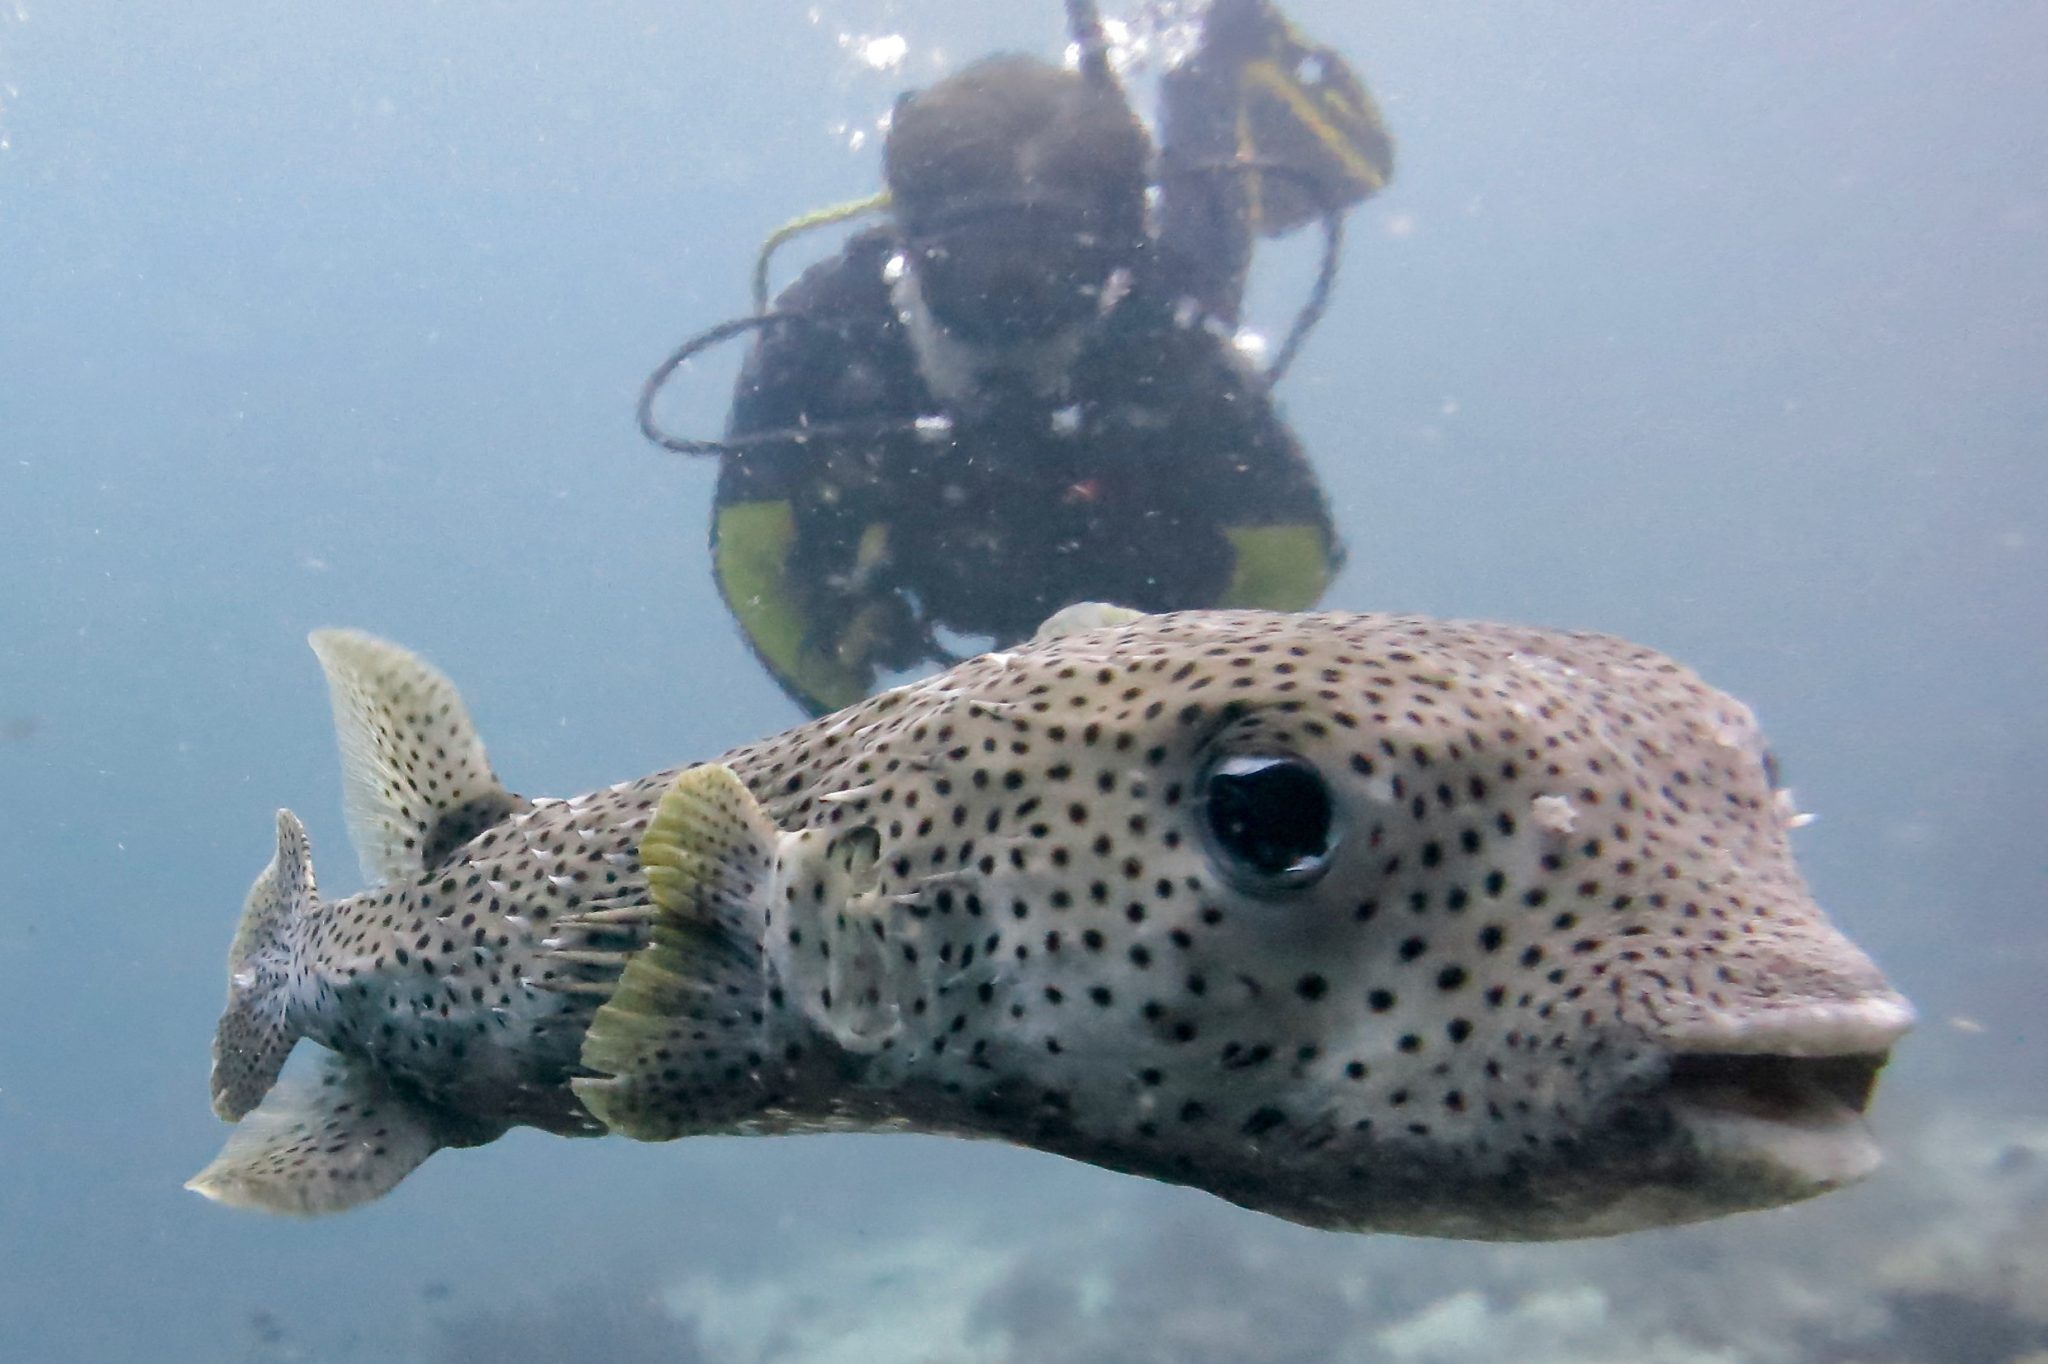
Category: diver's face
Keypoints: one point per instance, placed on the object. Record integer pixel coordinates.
(1008, 273)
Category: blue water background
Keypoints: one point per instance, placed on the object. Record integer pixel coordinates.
(1717, 326)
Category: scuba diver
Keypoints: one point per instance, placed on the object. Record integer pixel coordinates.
(1021, 390)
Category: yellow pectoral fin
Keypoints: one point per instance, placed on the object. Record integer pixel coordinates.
(1277, 568)
(754, 540)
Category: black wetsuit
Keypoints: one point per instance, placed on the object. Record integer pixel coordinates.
(1161, 478)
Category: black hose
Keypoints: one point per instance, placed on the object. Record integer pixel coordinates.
(865, 427)
(1332, 218)
(1084, 24)
(1318, 301)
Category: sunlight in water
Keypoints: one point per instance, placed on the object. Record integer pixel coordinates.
(14, 15)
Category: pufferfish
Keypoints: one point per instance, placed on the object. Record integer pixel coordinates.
(1369, 922)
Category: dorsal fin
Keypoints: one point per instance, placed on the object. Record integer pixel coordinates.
(416, 782)
(1085, 615)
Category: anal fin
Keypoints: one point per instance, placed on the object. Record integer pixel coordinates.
(321, 1142)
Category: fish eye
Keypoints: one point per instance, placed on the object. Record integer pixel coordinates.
(1267, 819)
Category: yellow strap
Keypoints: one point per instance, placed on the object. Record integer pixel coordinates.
(1278, 568)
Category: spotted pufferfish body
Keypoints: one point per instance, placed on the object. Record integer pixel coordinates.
(1370, 922)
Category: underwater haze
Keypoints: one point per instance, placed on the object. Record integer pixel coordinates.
(1720, 327)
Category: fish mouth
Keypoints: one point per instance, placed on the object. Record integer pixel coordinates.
(1782, 1100)
(1803, 1090)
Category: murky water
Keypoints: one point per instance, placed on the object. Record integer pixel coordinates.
(1720, 328)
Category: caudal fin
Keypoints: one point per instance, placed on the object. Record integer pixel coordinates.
(255, 1033)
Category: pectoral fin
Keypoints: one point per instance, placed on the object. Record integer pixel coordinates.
(320, 1142)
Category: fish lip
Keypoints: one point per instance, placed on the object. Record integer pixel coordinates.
(1811, 1029)
(1784, 1091)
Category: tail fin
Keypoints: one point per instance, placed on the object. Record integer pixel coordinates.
(255, 1035)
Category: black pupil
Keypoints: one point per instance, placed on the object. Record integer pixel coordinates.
(1270, 813)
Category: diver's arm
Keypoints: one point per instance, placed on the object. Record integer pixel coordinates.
(1261, 131)
(1204, 227)
(790, 520)
(1270, 506)
(1200, 467)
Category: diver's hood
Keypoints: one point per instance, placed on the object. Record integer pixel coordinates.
(1019, 189)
